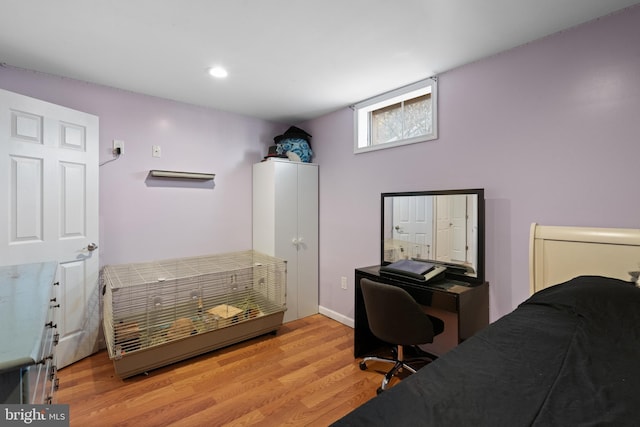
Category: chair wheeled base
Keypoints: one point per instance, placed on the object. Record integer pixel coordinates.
(395, 318)
(398, 364)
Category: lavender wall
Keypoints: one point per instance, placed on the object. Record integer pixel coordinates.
(141, 222)
(551, 130)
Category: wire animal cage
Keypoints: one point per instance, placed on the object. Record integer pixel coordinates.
(162, 312)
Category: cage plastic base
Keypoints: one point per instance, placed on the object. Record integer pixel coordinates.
(137, 362)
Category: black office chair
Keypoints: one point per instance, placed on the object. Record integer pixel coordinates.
(396, 318)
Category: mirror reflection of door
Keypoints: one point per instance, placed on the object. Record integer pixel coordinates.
(459, 229)
(453, 228)
(443, 223)
(412, 219)
(437, 227)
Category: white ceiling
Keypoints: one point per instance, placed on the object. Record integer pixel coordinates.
(288, 60)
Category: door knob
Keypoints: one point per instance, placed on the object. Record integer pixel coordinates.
(92, 247)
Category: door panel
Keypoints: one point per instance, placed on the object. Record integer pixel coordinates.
(50, 155)
(308, 237)
(459, 228)
(25, 204)
(72, 200)
(443, 228)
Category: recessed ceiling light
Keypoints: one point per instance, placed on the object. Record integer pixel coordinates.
(218, 72)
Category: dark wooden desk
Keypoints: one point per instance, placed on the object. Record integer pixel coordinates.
(463, 308)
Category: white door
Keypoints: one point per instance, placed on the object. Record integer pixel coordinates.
(443, 228)
(412, 219)
(451, 228)
(49, 193)
(459, 228)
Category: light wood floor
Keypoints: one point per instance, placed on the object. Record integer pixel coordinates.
(303, 376)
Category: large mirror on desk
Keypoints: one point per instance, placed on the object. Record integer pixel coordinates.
(442, 227)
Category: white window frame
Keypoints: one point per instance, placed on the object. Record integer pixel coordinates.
(362, 115)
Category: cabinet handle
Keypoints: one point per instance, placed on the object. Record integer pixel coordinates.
(56, 384)
(56, 283)
(50, 325)
(56, 339)
(54, 299)
(54, 306)
(52, 375)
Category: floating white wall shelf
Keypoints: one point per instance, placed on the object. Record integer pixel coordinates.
(182, 175)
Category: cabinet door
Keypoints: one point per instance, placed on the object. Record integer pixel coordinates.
(286, 230)
(264, 208)
(307, 240)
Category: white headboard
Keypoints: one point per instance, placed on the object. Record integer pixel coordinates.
(558, 254)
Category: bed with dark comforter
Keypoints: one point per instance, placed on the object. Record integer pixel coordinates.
(568, 356)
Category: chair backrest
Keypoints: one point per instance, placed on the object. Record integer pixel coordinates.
(394, 316)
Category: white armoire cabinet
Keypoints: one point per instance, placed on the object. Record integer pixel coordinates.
(285, 225)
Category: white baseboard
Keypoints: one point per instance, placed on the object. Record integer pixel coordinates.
(336, 316)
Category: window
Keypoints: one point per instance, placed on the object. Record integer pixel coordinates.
(403, 116)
